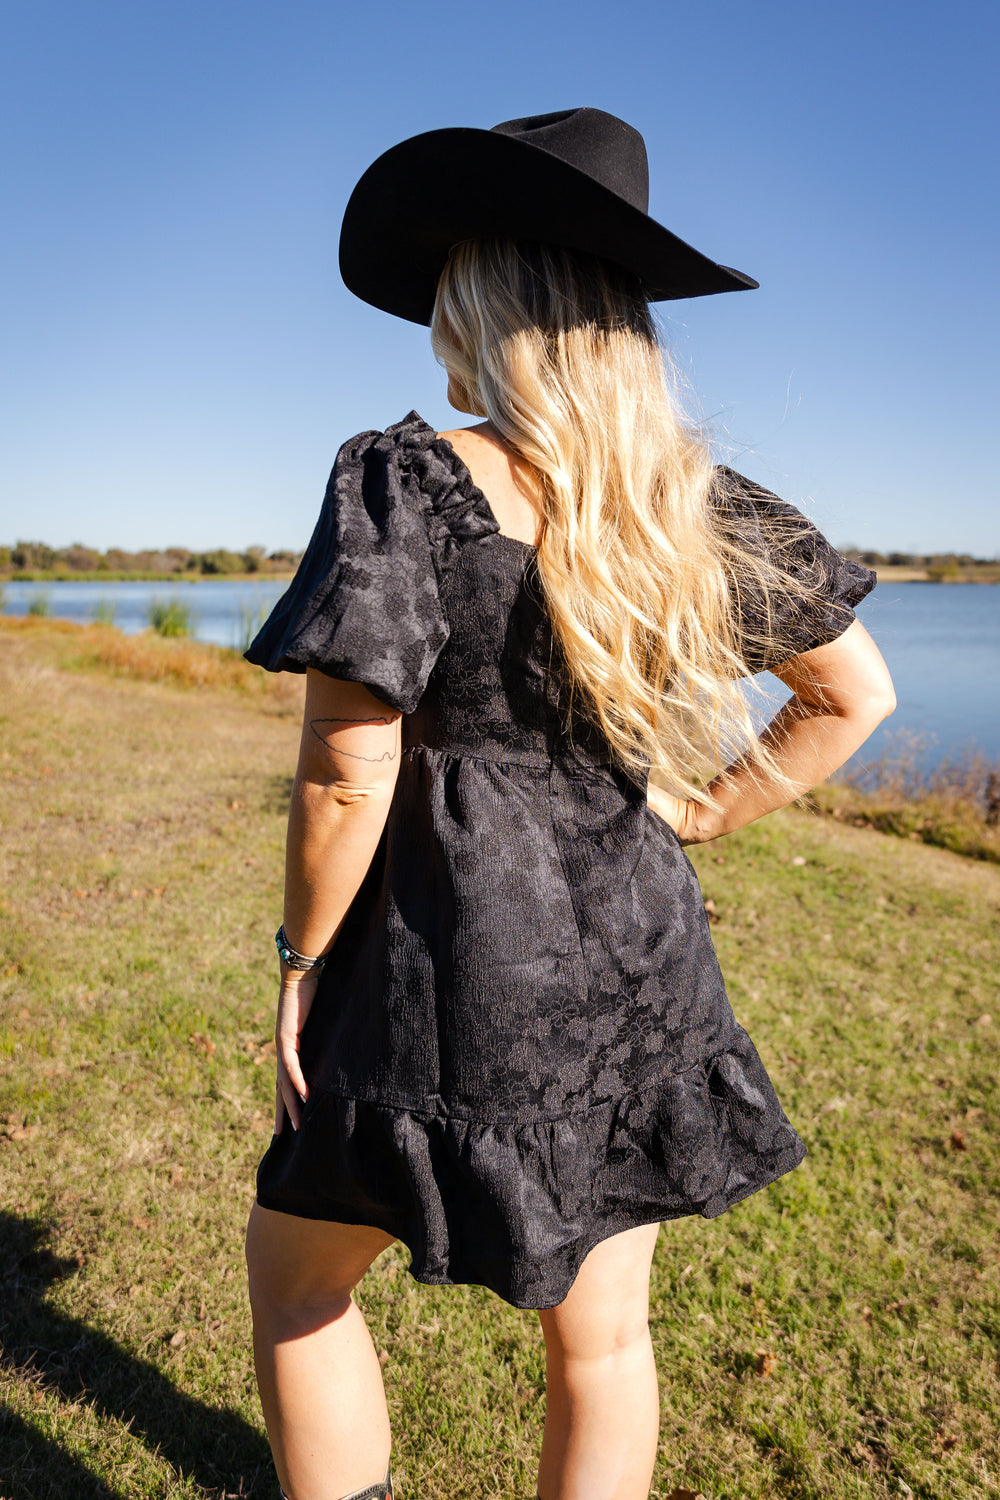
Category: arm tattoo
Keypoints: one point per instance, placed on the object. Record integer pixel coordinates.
(321, 735)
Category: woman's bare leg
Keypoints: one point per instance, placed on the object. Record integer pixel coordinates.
(602, 1402)
(318, 1373)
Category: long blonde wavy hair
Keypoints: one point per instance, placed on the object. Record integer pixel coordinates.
(560, 352)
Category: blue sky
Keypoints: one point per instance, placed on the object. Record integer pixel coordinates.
(181, 361)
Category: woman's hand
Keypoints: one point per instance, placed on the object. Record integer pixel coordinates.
(680, 814)
(298, 990)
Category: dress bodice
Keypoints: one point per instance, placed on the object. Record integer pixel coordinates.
(497, 691)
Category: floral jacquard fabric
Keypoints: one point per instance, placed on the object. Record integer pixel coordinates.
(521, 1043)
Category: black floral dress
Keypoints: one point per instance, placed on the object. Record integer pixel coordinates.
(521, 1043)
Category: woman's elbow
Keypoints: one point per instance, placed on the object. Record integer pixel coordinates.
(336, 792)
(871, 708)
(882, 694)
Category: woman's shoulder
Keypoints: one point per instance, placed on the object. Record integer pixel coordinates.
(409, 466)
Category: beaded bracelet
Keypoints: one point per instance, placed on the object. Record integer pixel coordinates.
(292, 957)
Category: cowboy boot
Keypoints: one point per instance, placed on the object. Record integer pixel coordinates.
(380, 1491)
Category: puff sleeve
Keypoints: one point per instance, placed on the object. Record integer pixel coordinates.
(785, 624)
(364, 604)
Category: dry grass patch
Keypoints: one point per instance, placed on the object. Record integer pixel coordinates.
(149, 657)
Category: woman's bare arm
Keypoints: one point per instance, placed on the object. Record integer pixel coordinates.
(344, 784)
(842, 691)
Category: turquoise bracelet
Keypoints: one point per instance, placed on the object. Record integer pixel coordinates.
(292, 958)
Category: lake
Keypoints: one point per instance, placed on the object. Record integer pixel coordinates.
(941, 642)
(221, 609)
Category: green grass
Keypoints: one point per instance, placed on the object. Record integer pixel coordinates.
(252, 619)
(141, 835)
(39, 606)
(103, 612)
(169, 617)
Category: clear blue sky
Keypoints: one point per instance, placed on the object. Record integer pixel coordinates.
(181, 360)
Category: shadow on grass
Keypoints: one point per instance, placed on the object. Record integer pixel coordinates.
(34, 1468)
(216, 1449)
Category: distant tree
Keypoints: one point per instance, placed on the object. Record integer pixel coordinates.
(901, 559)
(80, 558)
(27, 555)
(874, 559)
(220, 562)
(943, 567)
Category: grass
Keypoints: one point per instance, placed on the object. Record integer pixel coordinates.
(252, 619)
(39, 606)
(149, 657)
(103, 612)
(169, 617)
(829, 1339)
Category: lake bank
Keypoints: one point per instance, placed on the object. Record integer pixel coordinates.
(982, 573)
(942, 646)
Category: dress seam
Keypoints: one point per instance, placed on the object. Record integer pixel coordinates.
(576, 773)
(613, 1101)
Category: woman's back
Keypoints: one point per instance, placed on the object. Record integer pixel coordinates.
(522, 1041)
(513, 494)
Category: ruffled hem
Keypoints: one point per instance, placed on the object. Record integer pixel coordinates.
(516, 1205)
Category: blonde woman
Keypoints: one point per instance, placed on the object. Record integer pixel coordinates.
(503, 1037)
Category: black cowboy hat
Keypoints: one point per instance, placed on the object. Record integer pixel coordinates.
(577, 178)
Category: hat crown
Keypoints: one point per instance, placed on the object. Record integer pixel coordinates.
(594, 142)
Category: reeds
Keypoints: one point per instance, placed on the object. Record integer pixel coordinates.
(169, 617)
(103, 612)
(252, 618)
(954, 803)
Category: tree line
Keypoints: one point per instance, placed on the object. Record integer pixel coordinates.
(917, 559)
(937, 567)
(80, 561)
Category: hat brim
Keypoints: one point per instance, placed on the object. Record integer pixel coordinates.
(426, 194)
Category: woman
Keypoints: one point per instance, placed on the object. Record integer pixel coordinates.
(502, 1033)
